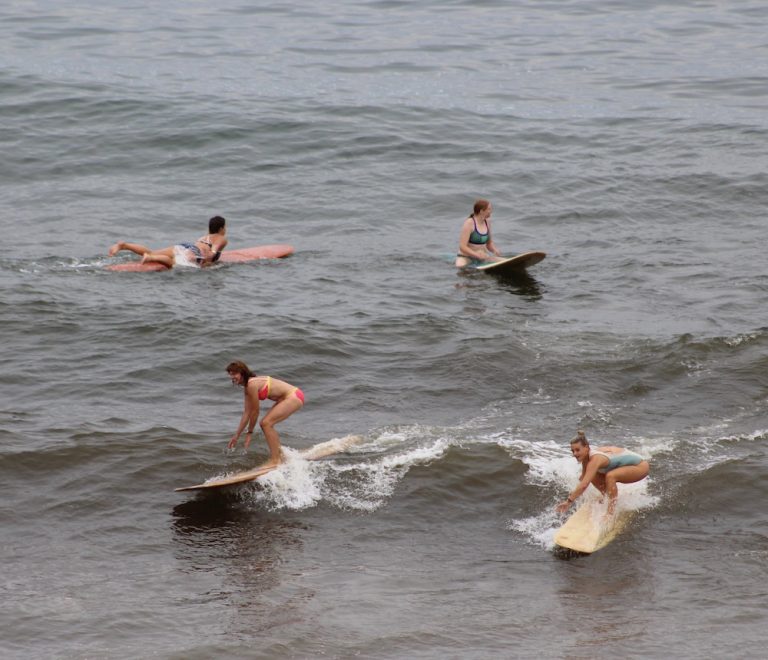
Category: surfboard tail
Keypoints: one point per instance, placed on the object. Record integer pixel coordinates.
(330, 447)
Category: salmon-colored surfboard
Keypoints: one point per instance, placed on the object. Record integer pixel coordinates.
(276, 251)
(318, 451)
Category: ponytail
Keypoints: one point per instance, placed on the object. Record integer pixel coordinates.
(581, 438)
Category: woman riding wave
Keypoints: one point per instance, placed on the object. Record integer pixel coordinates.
(288, 399)
(604, 467)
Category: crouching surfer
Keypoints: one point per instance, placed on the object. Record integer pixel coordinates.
(288, 399)
(604, 468)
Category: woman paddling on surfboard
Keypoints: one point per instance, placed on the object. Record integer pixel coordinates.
(288, 399)
(205, 251)
(604, 467)
(475, 242)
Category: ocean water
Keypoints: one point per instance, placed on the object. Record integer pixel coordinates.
(626, 140)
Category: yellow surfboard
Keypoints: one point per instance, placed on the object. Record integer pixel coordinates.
(316, 452)
(590, 528)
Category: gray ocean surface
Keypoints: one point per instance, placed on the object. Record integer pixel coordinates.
(625, 139)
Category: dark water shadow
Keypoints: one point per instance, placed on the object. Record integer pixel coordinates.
(520, 284)
(567, 554)
(235, 555)
(211, 529)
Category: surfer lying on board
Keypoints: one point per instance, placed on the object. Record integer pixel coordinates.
(205, 251)
(475, 242)
(288, 399)
(604, 467)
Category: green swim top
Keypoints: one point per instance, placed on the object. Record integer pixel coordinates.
(620, 459)
(476, 238)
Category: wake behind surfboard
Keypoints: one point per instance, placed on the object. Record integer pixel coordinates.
(276, 251)
(314, 453)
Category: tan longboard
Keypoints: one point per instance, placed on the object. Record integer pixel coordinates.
(514, 264)
(314, 453)
(589, 529)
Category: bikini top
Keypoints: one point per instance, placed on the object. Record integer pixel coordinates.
(263, 392)
(476, 238)
(206, 241)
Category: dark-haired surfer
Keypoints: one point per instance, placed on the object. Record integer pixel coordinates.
(288, 399)
(205, 251)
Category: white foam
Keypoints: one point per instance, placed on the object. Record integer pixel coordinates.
(367, 474)
(362, 485)
(738, 339)
(366, 485)
(541, 528)
(549, 463)
(760, 434)
(294, 485)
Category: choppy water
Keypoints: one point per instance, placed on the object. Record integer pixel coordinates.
(627, 140)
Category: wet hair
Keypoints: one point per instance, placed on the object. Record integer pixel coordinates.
(581, 438)
(241, 368)
(480, 205)
(215, 224)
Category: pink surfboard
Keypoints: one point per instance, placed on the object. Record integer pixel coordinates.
(276, 251)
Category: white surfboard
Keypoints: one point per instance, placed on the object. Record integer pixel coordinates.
(589, 529)
(314, 453)
(515, 264)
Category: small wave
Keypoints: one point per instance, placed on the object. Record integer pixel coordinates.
(367, 476)
(295, 485)
(346, 483)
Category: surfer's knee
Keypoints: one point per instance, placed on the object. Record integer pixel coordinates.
(610, 485)
(599, 482)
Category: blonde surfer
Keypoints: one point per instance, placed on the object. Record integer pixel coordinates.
(604, 467)
(288, 399)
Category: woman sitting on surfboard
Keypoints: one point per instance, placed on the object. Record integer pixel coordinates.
(475, 242)
(205, 251)
(604, 467)
(288, 399)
